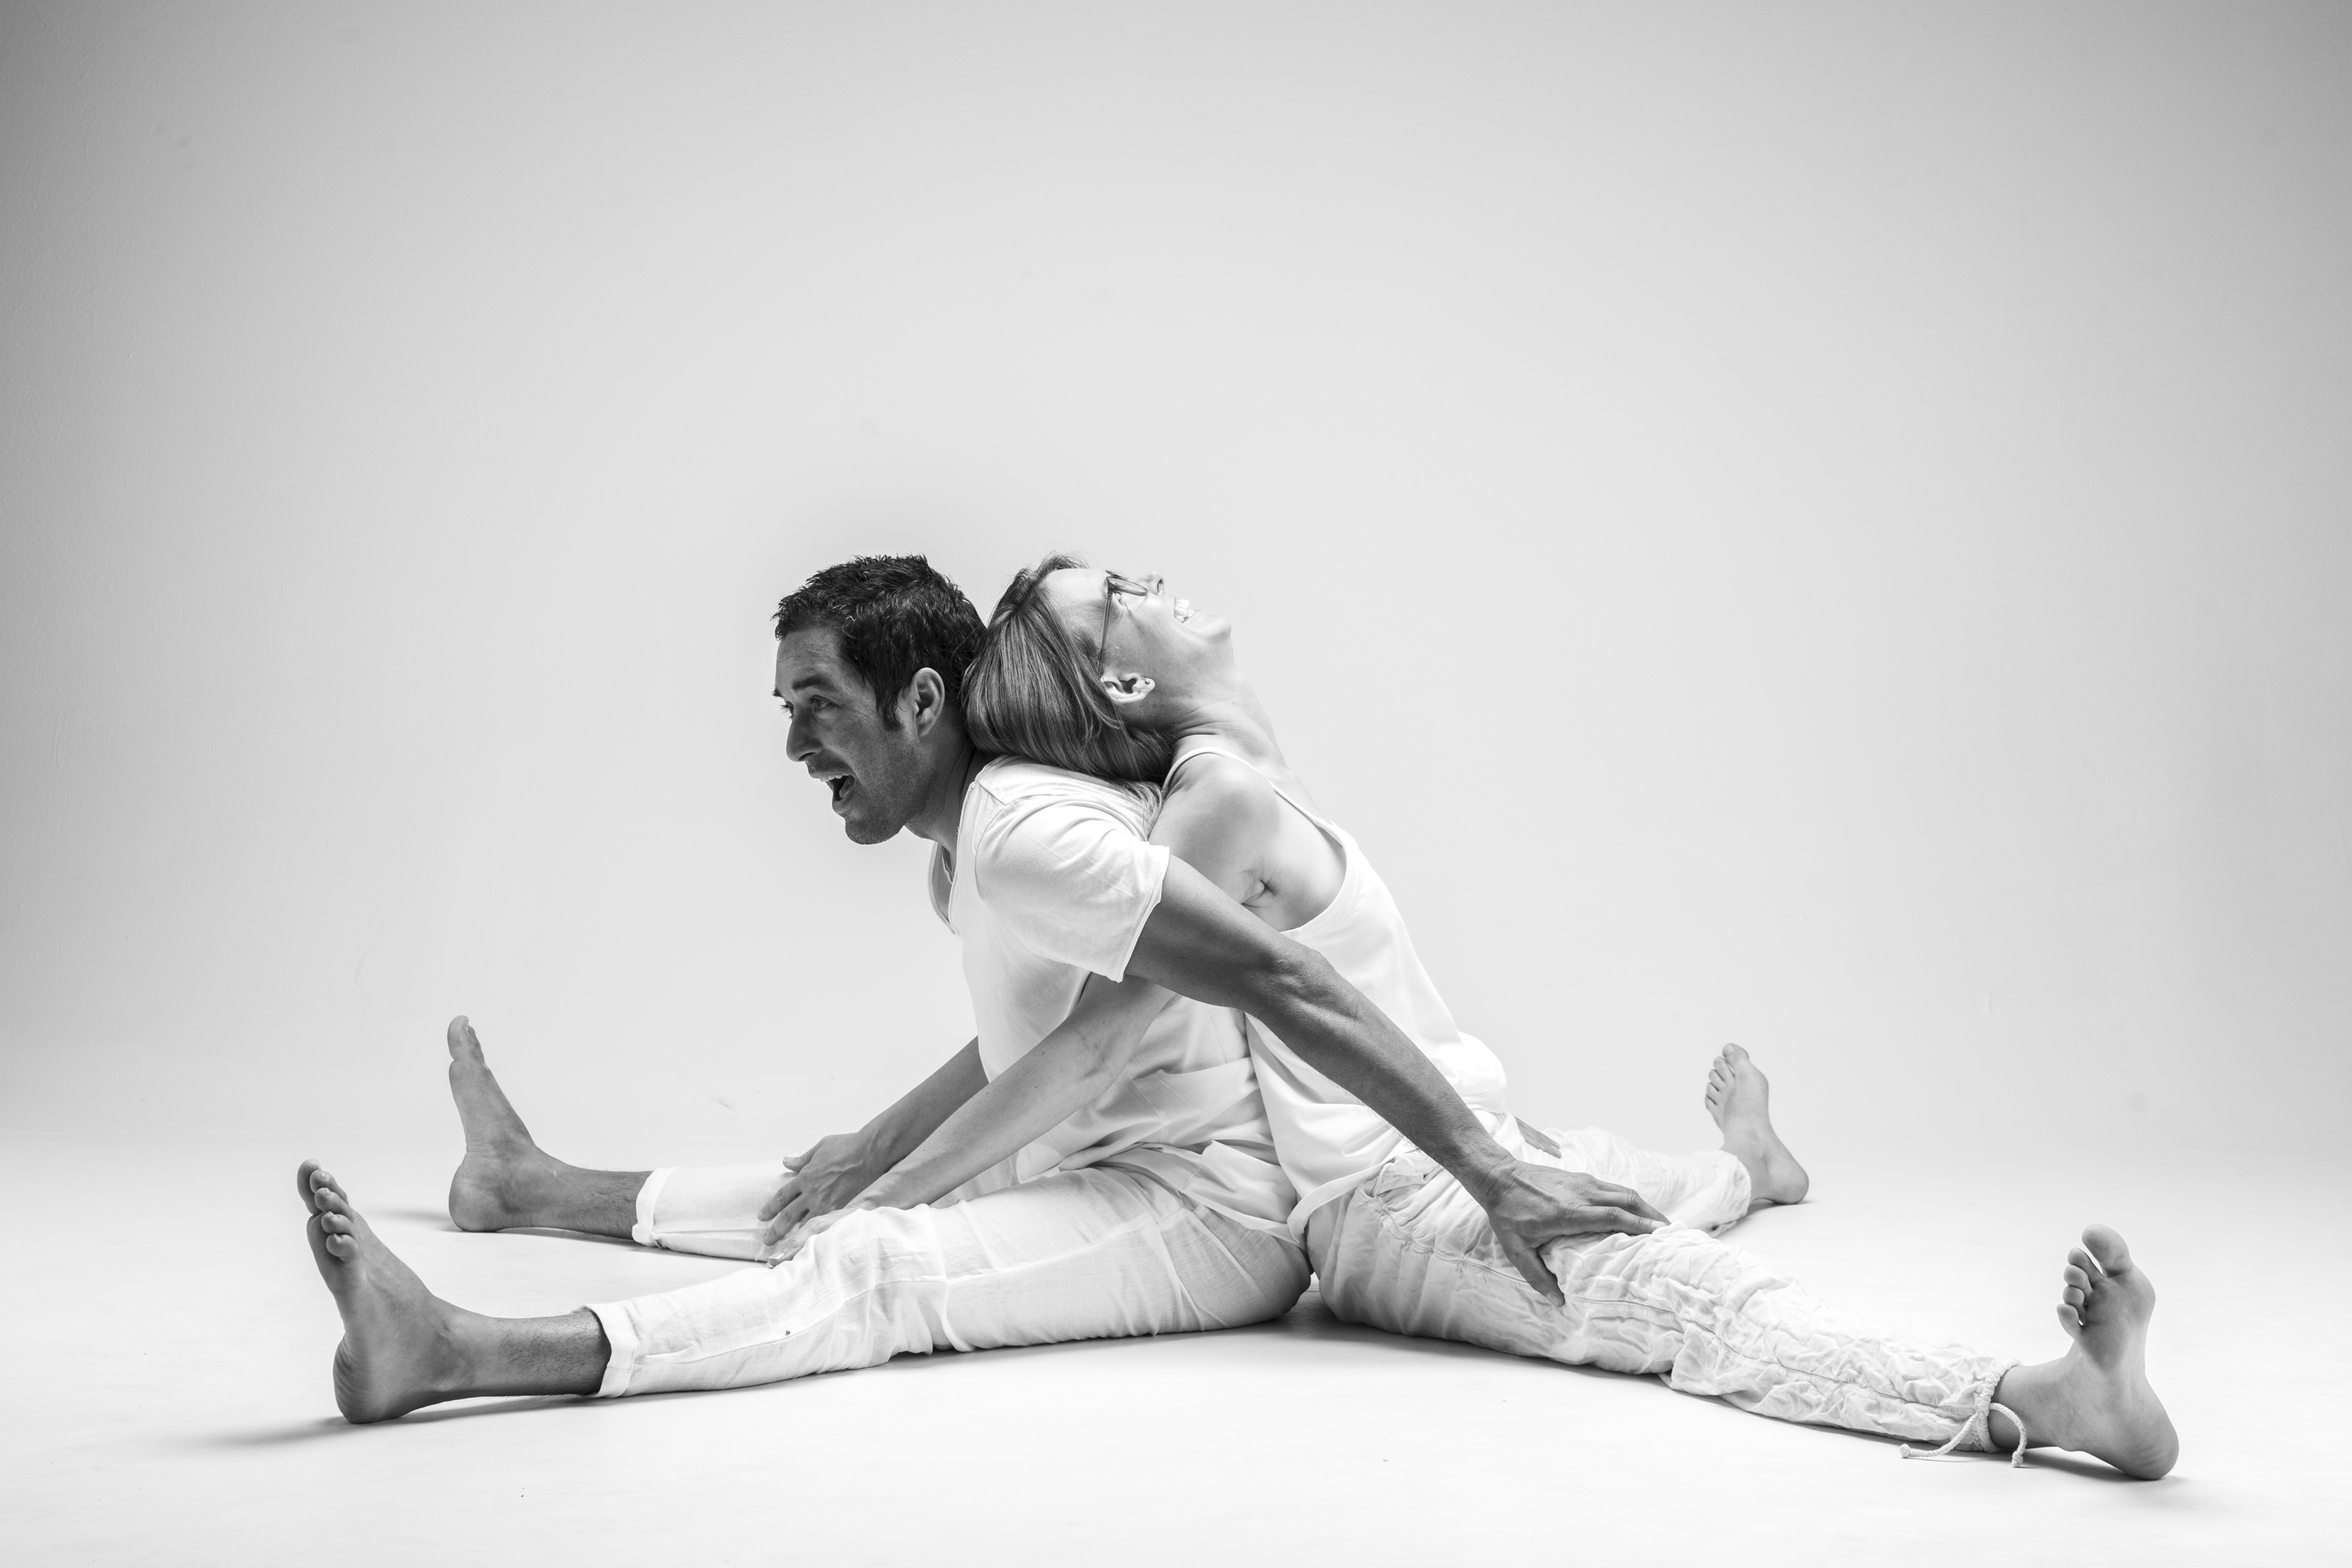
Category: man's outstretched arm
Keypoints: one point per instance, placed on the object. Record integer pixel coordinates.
(840, 1166)
(1201, 944)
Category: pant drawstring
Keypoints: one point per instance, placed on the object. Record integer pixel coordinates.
(1979, 1418)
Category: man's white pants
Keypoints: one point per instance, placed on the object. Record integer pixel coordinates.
(1077, 1255)
(1409, 1250)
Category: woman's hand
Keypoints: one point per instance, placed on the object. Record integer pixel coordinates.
(835, 1171)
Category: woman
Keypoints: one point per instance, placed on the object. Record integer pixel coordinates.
(1103, 674)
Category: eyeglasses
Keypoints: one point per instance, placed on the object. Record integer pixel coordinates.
(1113, 586)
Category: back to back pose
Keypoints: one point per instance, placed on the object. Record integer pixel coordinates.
(1105, 674)
(1154, 1205)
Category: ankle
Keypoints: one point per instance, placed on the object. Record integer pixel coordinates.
(2032, 1393)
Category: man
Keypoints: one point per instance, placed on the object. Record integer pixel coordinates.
(1160, 1211)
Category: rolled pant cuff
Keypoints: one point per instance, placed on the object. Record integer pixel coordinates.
(642, 1232)
(1980, 1411)
(622, 1338)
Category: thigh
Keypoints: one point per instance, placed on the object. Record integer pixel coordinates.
(1409, 1250)
(1091, 1254)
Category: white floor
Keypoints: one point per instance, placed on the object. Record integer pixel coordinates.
(168, 1401)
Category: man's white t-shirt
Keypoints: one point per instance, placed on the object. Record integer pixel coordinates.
(1053, 879)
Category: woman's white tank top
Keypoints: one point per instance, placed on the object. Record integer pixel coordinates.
(1327, 1139)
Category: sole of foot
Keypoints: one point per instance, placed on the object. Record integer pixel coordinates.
(1740, 1100)
(488, 1191)
(2096, 1399)
(396, 1353)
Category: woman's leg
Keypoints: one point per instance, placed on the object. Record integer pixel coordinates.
(1710, 1190)
(1409, 1251)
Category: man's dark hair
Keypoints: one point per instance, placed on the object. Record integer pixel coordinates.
(894, 615)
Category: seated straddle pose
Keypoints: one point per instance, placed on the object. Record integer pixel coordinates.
(1100, 673)
(1155, 1205)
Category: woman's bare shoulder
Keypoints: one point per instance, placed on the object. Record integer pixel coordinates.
(1214, 781)
(1218, 801)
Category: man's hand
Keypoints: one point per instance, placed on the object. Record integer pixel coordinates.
(834, 1170)
(1534, 1206)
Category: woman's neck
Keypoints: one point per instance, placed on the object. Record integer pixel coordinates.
(1232, 717)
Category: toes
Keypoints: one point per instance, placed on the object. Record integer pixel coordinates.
(2087, 1266)
(342, 1246)
(317, 1186)
(2109, 1248)
(462, 1038)
(2078, 1278)
(2068, 1318)
(1733, 1055)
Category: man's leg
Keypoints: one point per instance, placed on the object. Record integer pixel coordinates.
(507, 1181)
(403, 1347)
(1078, 1255)
(1409, 1251)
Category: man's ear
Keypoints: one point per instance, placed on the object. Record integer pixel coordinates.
(1127, 691)
(926, 701)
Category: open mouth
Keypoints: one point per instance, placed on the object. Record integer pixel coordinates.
(1183, 611)
(838, 785)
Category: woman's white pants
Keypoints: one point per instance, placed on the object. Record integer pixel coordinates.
(1409, 1250)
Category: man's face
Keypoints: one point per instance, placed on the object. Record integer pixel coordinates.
(879, 775)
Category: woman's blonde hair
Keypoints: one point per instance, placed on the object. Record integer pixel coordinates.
(1035, 692)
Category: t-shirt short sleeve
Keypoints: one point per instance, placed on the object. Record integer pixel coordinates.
(1069, 879)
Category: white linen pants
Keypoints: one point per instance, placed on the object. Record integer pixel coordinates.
(1075, 1255)
(1409, 1250)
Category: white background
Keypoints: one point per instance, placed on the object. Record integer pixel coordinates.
(1826, 527)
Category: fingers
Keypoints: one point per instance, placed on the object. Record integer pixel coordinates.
(794, 1162)
(789, 1216)
(1629, 1200)
(789, 1189)
(1530, 1264)
(782, 1247)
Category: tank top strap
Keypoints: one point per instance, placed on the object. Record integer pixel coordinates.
(1210, 749)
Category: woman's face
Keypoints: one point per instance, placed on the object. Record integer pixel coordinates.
(1142, 630)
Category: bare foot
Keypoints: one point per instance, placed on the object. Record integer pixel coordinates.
(1740, 1102)
(399, 1350)
(2095, 1399)
(504, 1172)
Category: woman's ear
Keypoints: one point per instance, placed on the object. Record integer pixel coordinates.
(1127, 690)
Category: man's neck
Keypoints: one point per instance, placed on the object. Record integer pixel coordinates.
(943, 808)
